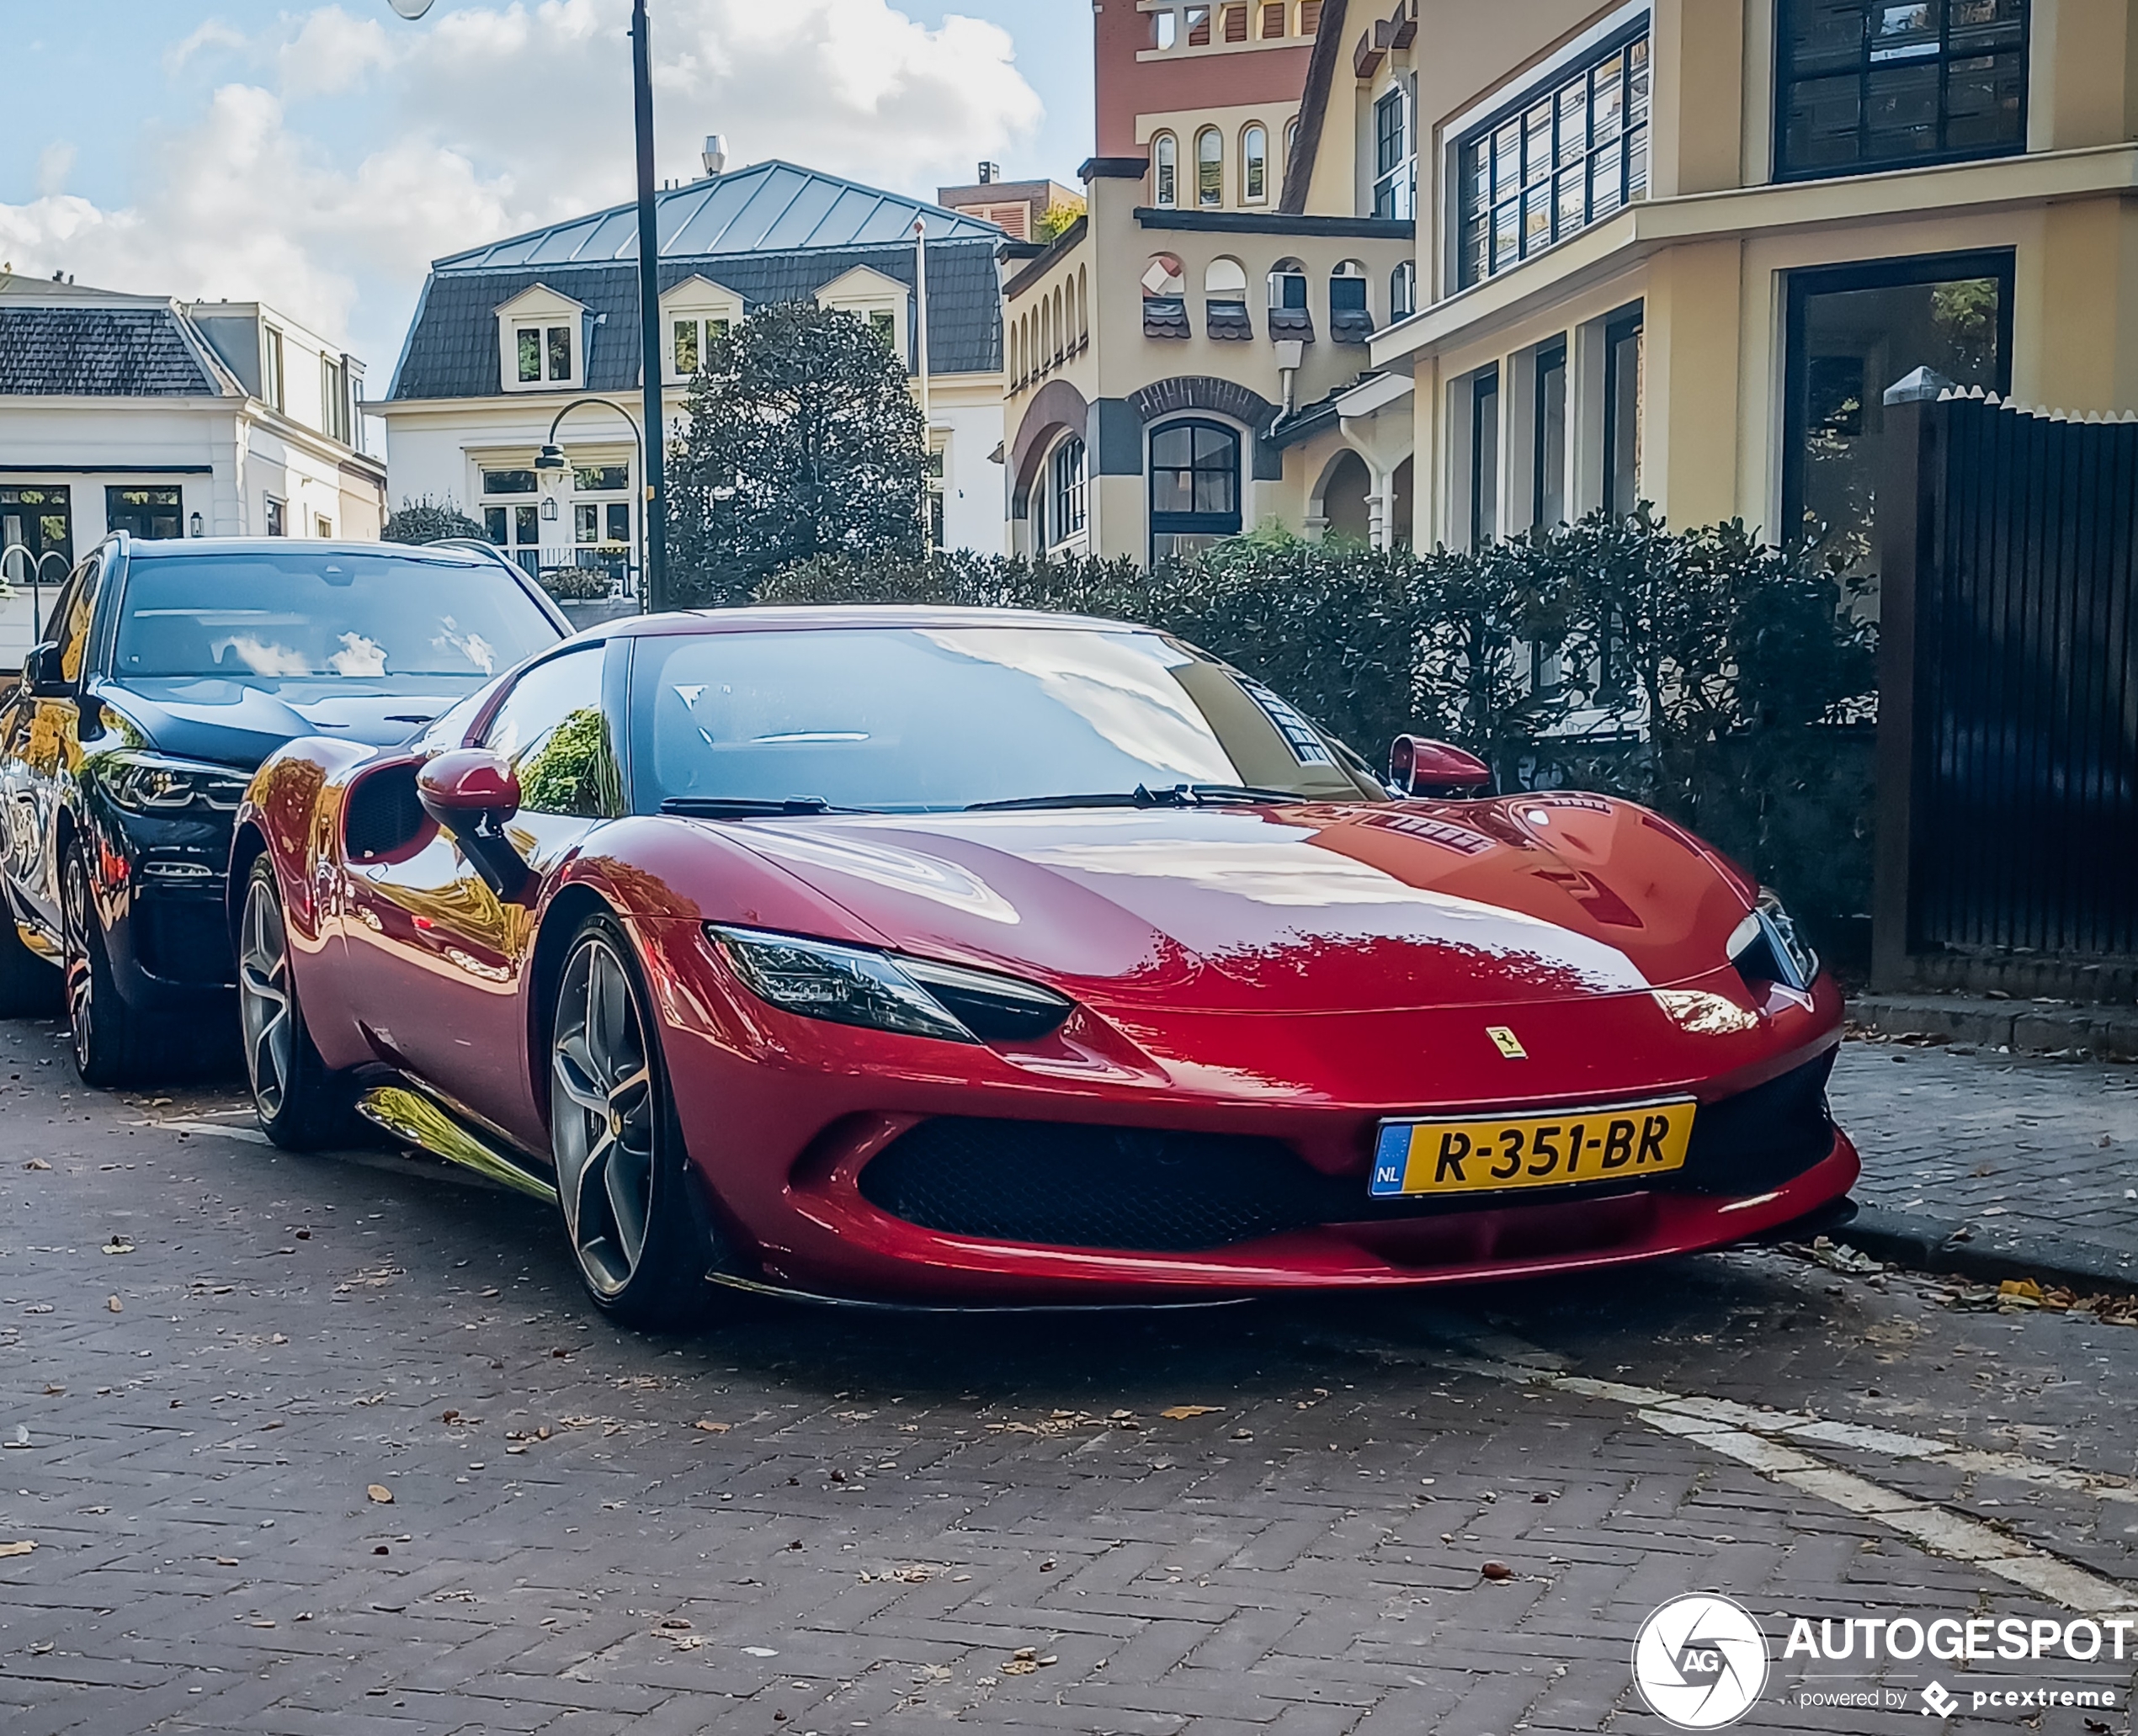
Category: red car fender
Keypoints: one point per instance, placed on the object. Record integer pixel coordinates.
(287, 816)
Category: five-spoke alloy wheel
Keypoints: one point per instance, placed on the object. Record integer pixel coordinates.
(301, 1105)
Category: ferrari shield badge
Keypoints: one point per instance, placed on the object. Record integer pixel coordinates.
(1507, 1043)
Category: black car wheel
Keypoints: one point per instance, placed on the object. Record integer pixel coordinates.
(301, 1104)
(635, 1215)
(113, 1044)
(29, 987)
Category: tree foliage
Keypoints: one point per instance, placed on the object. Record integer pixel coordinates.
(803, 443)
(430, 521)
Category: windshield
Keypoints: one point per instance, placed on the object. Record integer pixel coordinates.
(289, 614)
(946, 718)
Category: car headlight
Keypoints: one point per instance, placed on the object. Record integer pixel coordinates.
(1766, 947)
(884, 992)
(154, 783)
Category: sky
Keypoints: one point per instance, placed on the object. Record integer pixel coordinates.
(318, 157)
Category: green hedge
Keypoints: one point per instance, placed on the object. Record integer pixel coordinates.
(1730, 685)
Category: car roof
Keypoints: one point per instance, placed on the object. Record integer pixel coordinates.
(170, 547)
(828, 616)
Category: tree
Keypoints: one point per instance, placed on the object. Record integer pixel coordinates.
(803, 443)
(430, 521)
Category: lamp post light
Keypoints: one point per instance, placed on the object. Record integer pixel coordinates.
(653, 493)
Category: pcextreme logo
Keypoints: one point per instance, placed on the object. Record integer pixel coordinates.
(1700, 1662)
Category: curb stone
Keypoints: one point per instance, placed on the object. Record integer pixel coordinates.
(1926, 1243)
(2037, 1027)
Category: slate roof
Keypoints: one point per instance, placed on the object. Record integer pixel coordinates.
(452, 349)
(101, 352)
(768, 208)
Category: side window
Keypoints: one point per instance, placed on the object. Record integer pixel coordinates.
(71, 622)
(552, 731)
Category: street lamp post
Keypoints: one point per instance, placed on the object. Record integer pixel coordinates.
(552, 457)
(653, 509)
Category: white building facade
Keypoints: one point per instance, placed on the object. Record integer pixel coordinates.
(508, 335)
(166, 418)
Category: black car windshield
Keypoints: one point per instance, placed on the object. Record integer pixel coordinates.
(290, 613)
(933, 718)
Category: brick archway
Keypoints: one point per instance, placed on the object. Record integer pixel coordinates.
(1189, 392)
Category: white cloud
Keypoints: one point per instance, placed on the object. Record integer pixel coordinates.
(54, 163)
(492, 119)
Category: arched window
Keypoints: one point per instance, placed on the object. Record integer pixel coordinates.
(1287, 285)
(1350, 321)
(1083, 307)
(1225, 301)
(1195, 487)
(1165, 170)
(1403, 290)
(1210, 167)
(1254, 164)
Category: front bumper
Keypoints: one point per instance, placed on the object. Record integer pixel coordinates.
(162, 885)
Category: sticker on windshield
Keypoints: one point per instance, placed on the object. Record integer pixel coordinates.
(1299, 736)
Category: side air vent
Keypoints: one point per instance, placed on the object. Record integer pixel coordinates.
(383, 816)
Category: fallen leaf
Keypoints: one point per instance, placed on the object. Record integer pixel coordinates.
(713, 1428)
(1020, 1666)
(37, 1163)
(277, 1339)
(759, 1652)
(2020, 1287)
(675, 1622)
(380, 1494)
(1181, 1412)
(118, 1244)
(115, 1305)
(1497, 1570)
(225, 1561)
(23, 1548)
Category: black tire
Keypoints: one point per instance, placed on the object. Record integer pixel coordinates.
(302, 1104)
(635, 1217)
(114, 1043)
(29, 988)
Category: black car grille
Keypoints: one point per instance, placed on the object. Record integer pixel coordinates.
(1145, 1189)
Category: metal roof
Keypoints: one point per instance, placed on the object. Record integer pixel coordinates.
(768, 208)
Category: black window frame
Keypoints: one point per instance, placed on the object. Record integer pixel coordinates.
(1484, 439)
(1192, 524)
(138, 517)
(1786, 77)
(1900, 272)
(1638, 30)
(1550, 357)
(1630, 321)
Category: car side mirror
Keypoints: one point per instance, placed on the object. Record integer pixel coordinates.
(44, 674)
(472, 793)
(1419, 767)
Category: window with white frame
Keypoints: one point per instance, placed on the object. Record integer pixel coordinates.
(1254, 164)
(1066, 485)
(512, 516)
(1165, 171)
(1555, 160)
(543, 354)
(1210, 168)
(1403, 290)
(1395, 155)
(273, 386)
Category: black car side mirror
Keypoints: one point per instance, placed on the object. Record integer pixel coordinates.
(44, 674)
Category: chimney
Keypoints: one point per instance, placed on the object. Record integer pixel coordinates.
(990, 172)
(715, 158)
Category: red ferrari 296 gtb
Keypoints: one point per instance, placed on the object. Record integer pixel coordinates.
(982, 957)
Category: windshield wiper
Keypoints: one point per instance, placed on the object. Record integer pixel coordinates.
(746, 807)
(1178, 795)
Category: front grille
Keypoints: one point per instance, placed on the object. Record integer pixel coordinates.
(1145, 1189)
(1097, 1187)
(183, 938)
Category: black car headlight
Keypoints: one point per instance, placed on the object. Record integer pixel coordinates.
(886, 991)
(1766, 947)
(156, 783)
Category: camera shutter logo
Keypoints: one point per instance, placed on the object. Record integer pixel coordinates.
(1700, 1662)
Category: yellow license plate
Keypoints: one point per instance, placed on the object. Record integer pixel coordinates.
(1558, 1150)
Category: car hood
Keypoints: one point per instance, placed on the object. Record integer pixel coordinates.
(1299, 909)
(239, 723)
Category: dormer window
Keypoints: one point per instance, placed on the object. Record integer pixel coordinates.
(542, 340)
(880, 302)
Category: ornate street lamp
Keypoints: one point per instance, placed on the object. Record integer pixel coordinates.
(654, 512)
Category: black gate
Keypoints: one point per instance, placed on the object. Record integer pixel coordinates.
(2009, 740)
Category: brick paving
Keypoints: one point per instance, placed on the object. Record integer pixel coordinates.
(2004, 1142)
(806, 1520)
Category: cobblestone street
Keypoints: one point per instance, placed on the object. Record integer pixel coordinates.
(325, 1445)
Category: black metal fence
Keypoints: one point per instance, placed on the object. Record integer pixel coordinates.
(2008, 748)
